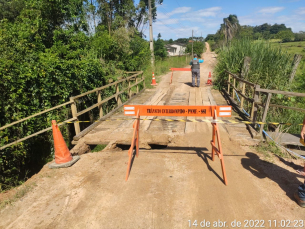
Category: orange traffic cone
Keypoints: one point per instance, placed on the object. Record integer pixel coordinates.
(153, 82)
(63, 157)
(209, 82)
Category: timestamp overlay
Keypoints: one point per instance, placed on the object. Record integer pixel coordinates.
(247, 223)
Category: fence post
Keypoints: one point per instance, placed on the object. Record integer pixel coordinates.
(254, 105)
(74, 115)
(243, 93)
(234, 86)
(143, 78)
(129, 89)
(229, 81)
(117, 97)
(100, 107)
(265, 113)
(137, 85)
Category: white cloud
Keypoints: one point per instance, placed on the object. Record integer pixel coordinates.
(271, 10)
(301, 10)
(180, 10)
(195, 15)
(168, 21)
(161, 16)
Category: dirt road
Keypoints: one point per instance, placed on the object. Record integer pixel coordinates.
(167, 188)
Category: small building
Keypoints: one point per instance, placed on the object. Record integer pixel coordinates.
(175, 49)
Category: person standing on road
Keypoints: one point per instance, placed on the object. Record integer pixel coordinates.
(196, 70)
(300, 194)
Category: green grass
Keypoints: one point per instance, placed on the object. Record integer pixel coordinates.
(98, 148)
(297, 47)
(21, 192)
(268, 148)
(269, 67)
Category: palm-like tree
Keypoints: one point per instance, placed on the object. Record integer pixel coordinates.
(230, 27)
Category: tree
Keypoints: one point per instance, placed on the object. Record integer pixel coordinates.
(10, 9)
(170, 41)
(266, 35)
(159, 48)
(141, 15)
(230, 27)
(182, 40)
(246, 31)
(257, 36)
(300, 36)
(197, 48)
(285, 35)
(47, 56)
(210, 37)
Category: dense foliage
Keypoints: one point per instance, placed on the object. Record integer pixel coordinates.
(159, 48)
(48, 52)
(231, 28)
(198, 48)
(270, 67)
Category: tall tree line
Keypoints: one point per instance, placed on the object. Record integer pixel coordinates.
(51, 50)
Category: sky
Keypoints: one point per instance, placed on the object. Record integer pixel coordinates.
(177, 18)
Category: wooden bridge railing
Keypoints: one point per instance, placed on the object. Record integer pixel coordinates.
(254, 96)
(137, 78)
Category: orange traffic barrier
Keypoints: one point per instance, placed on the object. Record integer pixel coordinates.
(178, 69)
(160, 110)
(153, 82)
(63, 157)
(209, 81)
(157, 110)
(134, 142)
(218, 150)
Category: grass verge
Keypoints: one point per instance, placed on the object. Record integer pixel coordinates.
(98, 148)
(20, 192)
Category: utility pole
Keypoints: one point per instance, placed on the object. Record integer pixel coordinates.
(151, 40)
(192, 43)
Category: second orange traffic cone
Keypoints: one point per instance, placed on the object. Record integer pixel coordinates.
(153, 82)
(63, 157)
(209, 82)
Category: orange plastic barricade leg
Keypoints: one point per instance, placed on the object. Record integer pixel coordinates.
(174, 110)
(134, 141)
(218, 150)
(178, 69)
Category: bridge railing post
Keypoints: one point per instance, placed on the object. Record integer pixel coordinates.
(265, 113)
(100, 107)
(74, 115)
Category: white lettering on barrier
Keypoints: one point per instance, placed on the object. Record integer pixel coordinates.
(225, 108)
(128, 108)
(224, 113)
(129, 112)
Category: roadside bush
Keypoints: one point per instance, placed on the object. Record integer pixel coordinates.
(41, 66)
(270, 67)
(198, 48)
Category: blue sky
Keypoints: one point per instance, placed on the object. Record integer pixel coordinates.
(177, 18)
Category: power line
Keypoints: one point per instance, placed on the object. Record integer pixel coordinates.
(177, 21)
(178, 3)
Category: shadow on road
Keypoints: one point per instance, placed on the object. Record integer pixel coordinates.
(189, 83)
(285, 179)
(205, 157)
